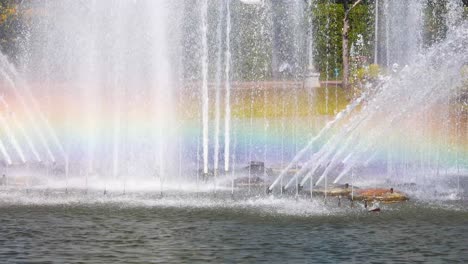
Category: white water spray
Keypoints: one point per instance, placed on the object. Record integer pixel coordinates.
(227, 86)
(204, 88)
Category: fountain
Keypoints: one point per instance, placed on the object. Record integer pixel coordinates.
(157, 94)
(214, 131)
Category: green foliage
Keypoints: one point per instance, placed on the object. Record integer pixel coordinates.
(464, 74)
(330, 100)
(361, 73)
(328, 24)
(10, 27)
(434, 22)
(374, 71)
(367, 73)
(251, 46)
(464, 71)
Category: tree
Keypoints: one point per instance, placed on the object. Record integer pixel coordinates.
(327, 32)
(345, 36)
(10, 27)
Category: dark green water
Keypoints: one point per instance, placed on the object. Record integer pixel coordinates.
(38, 228)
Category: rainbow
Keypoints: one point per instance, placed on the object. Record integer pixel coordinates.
(266, 125)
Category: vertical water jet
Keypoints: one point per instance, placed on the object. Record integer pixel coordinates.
(204, 85)
(227, 88)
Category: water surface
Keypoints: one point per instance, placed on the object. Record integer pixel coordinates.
(46, 228)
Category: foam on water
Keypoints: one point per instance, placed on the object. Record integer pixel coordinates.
(268, 206)
(256, 205)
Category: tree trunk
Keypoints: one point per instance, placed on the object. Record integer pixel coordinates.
(347, 10)
(345, 83)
